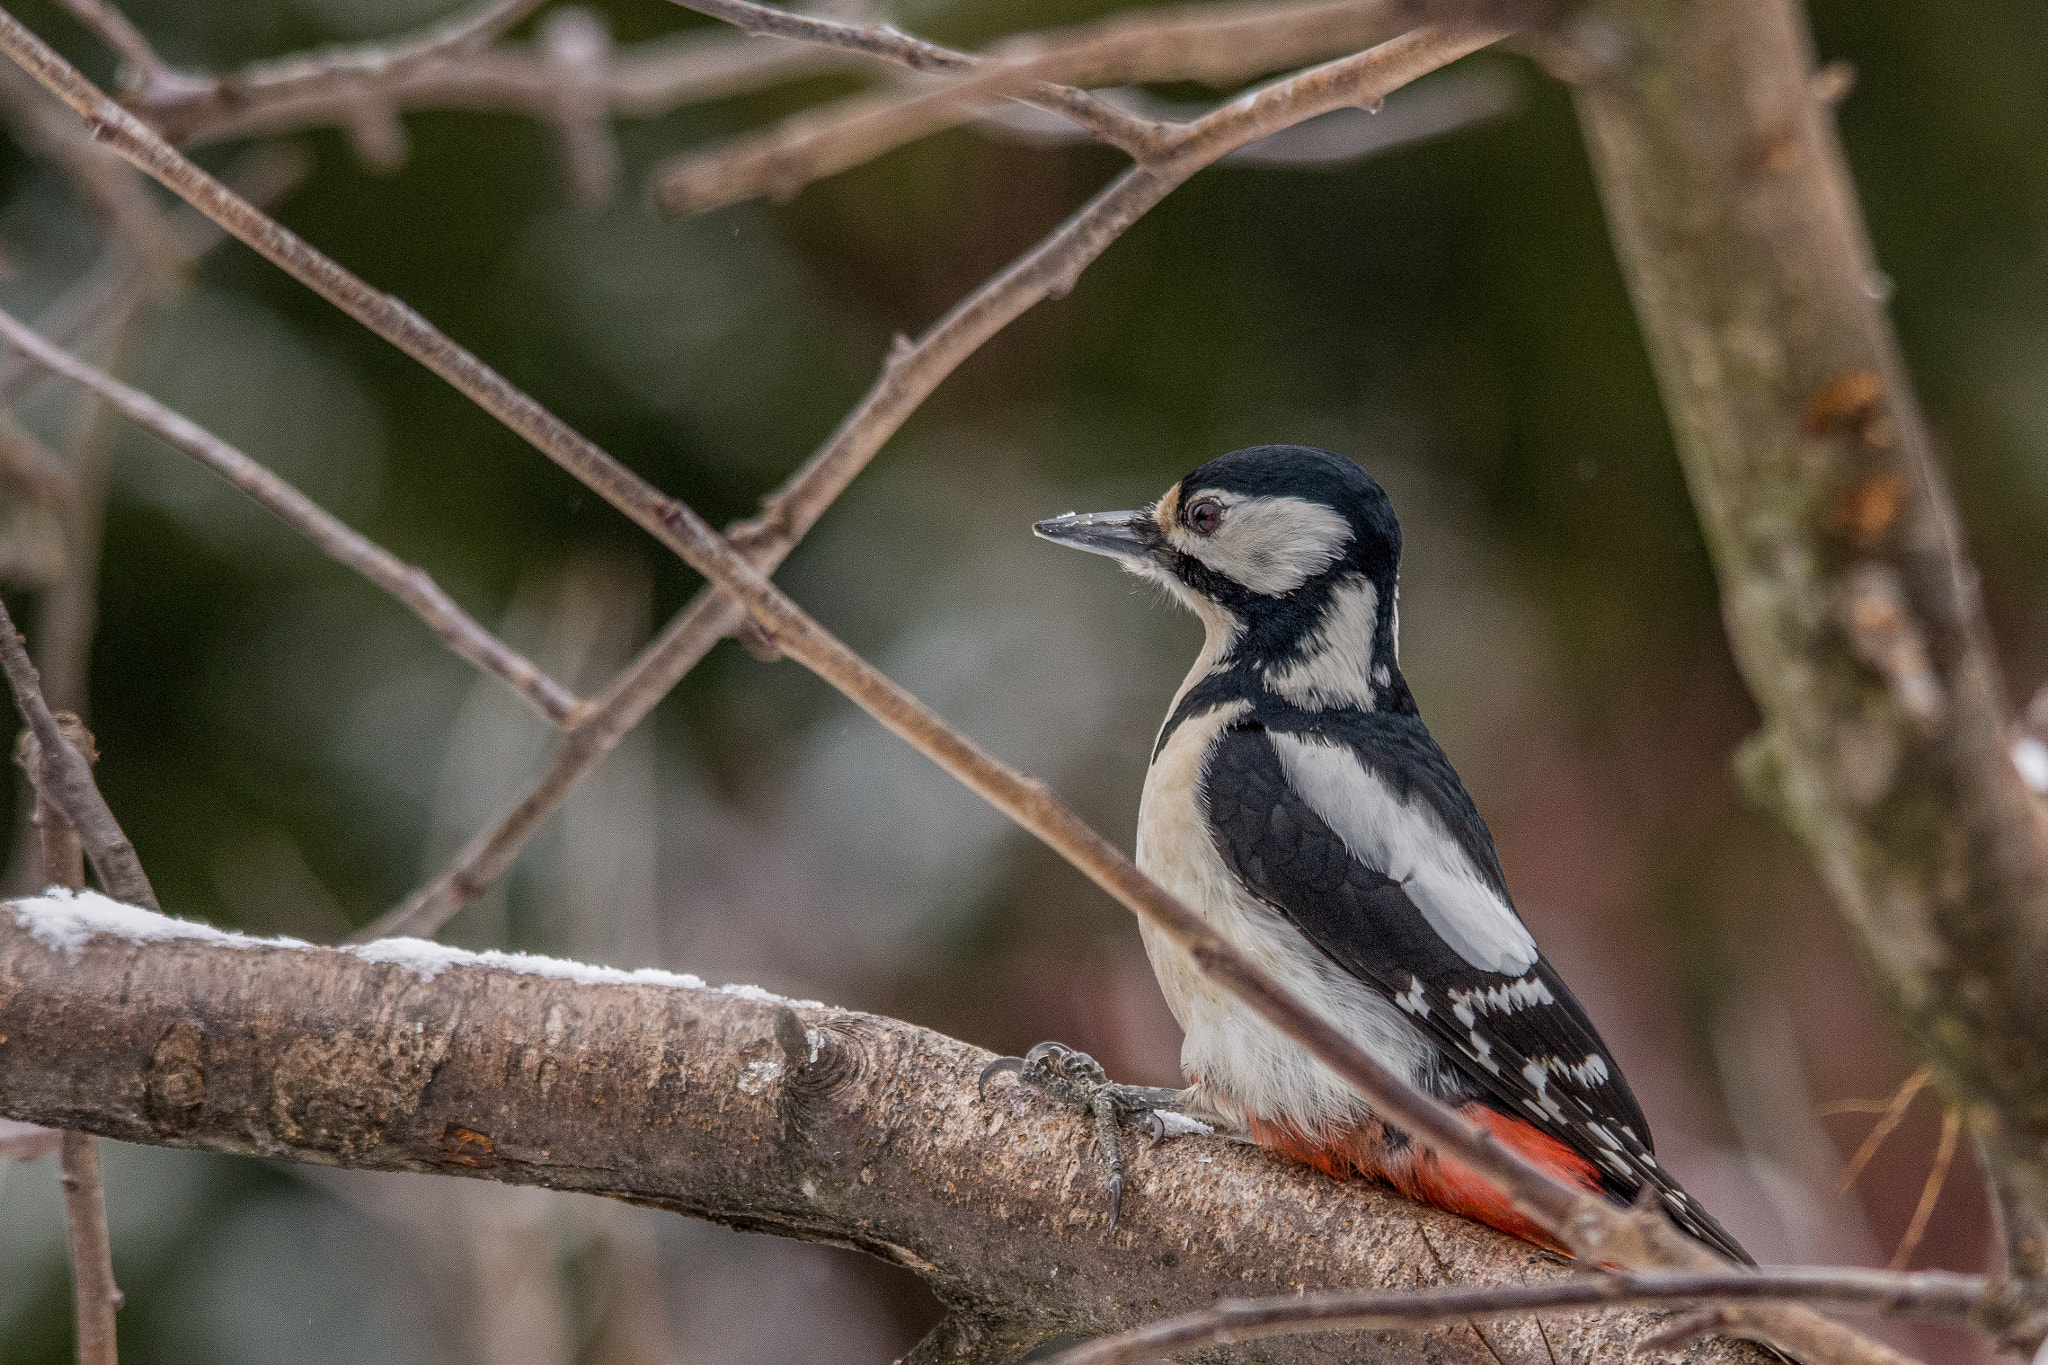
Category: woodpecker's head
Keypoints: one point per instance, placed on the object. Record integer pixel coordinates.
(1290, 556)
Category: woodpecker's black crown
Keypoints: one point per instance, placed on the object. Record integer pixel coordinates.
(1322, 478)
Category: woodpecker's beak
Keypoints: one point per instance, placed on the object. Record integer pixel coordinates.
(1120, 535)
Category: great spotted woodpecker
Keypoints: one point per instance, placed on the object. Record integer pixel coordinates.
(1298, 803)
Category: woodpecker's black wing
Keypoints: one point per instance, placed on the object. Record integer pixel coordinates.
(1355, 828)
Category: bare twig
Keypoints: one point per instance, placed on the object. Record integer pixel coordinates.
(139, 63)
(643, 80)
(65, 776)
(1893, 1112)
(1442, 104)
(1929, 1294)
(1930, 1192)
(1219, 45)
(577, 45)
(411, 586)
(93, 1292)
(339, 75)
(1103, 120)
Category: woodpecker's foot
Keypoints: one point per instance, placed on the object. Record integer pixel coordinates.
(1079, 1079)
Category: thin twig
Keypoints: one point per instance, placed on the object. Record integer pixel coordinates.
(1930, 1192)
(577, 45)
(1217, 45)
(1103, 120)
(341, 73)
(1929, 1294)
(411, 586)
(93, 1292)
(139, 62)
(67, 778)
(1902, 1099)
(642, 81)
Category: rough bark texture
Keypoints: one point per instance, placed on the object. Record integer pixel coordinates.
(794, 1119)
(1852, 610)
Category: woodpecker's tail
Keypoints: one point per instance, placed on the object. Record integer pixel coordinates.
(1373, 1150)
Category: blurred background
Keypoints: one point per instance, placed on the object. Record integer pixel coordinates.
(291, 752)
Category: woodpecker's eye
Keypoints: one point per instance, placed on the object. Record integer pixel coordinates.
(1204, 516)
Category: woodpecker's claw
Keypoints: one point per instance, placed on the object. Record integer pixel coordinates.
(1079, 1079)
(996, 1068)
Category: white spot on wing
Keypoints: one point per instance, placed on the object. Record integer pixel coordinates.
(1405, 840)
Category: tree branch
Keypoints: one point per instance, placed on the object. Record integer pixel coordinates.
(1926, 1294)
(1218, 46)
(640, 81)
(728, 1104)
(1851, 607)
(340, 75)
(411, 586)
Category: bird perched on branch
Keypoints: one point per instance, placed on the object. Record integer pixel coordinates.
(1297, 802)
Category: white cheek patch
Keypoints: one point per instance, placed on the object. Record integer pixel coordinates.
(1270, 545)
(1405, 841)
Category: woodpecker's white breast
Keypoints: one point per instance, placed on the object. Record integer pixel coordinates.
(1242, 1065)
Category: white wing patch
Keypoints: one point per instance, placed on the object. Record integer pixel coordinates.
(1405, 841)
(1271, 545)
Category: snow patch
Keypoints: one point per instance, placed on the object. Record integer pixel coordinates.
(427, 960)
(62, 920)
(761, 997)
